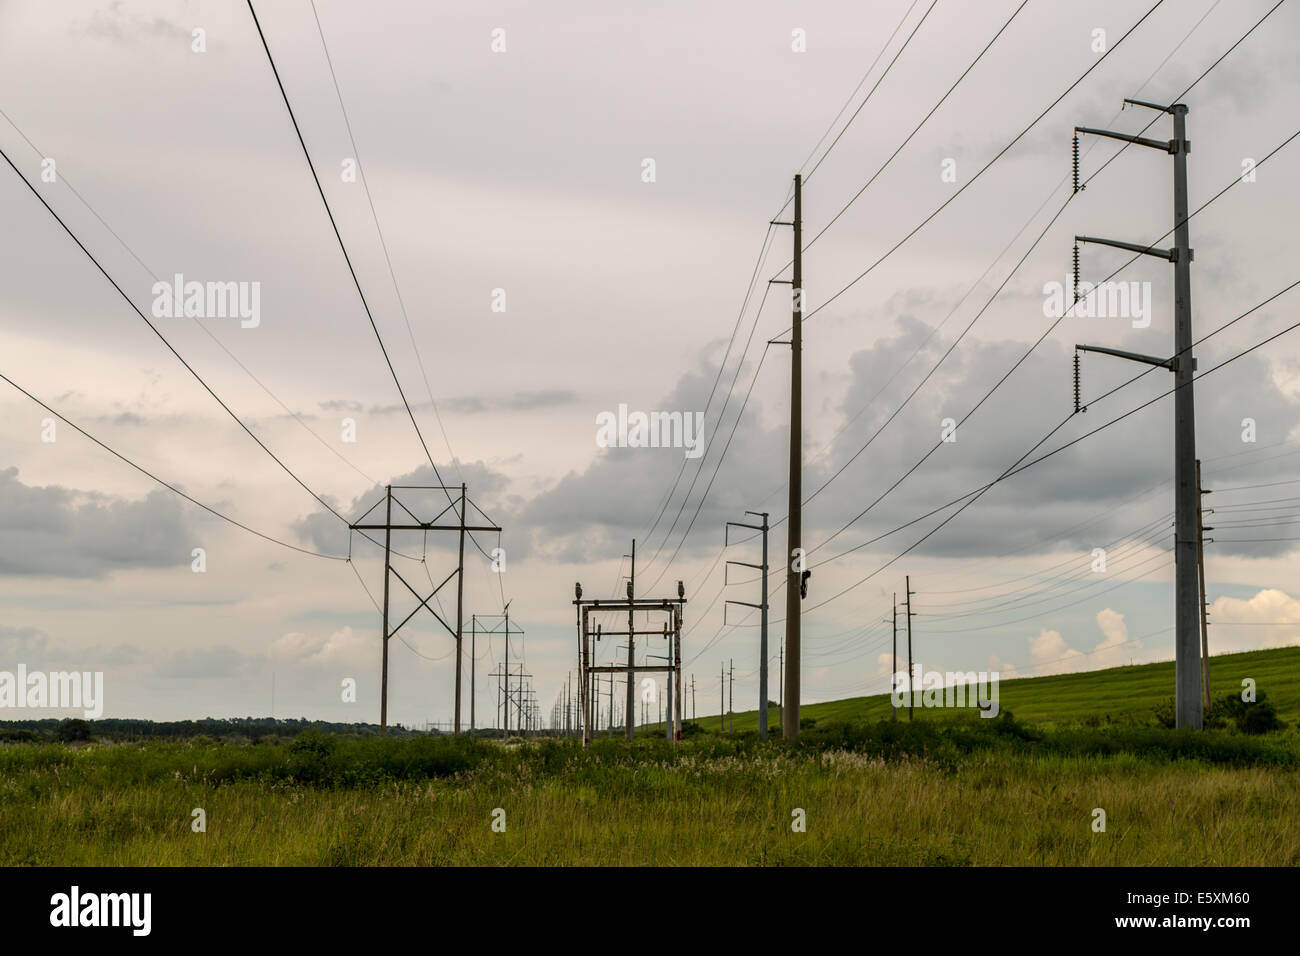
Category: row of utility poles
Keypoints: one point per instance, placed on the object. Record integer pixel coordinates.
(1191, 642)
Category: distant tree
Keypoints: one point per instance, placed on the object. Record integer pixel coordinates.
(72, 730)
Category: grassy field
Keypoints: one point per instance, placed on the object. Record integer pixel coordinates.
(1120, 695)
(946, 790)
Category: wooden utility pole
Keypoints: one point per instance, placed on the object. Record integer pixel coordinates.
(506, 702)
(907, 583)
(893, 674)
(794, 557)
(631, 642)
(473, 640)
(731, 698)
(722, 698)
(460, 600)
(388, 546)
(412, 523)
(762, 607)
(590, 671)
(692, 697)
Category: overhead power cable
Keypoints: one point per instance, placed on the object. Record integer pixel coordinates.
(168, 485)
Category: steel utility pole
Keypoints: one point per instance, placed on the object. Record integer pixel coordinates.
(762, 606)
(1188, 707)
(907, 583)
(1205, 610)
(794, 556)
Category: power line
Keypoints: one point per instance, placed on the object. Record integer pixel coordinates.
(924, 120)
(122, 292)
(881, 53)
(970, 182)
(1046, 199)
(1017, 466)
(998, 384)
(170, 487)
(365, 184)
(342, 247)
(749, 291)
(873, 89)
(203, 328)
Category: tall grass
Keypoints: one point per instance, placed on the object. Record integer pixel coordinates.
(936, 793)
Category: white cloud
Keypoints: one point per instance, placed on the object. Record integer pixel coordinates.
(1256, 617)
(1051, 655)
(344, 647)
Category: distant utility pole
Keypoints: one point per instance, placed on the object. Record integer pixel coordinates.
(412, 523)
(671, 630)
(907, 583)
(731, 698)
(631, 639)
(473, 642)
(762, 606)
(668, 723)
(692, 697)
(722, 698)
(893, 674)
(1189, 711)
(780, 685)
(501, 627)
(795, 571)
(1201, 528)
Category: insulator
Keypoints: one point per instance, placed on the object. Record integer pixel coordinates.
(1076, 162)
(1076, 272)
(1076, 383)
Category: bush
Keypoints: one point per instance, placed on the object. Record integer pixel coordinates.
(1257, 717)
(73, 730)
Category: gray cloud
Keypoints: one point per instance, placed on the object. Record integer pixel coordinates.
(209, 663)
(61, 532)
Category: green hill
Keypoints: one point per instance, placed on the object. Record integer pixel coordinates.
(1115, 695)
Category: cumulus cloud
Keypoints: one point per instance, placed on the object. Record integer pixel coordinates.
(1237, 624)
(1051, 655)
(62, 532)
(342, 648)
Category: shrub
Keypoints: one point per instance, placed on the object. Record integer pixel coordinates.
(72, 730)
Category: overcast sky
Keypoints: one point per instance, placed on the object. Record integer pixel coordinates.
(523, 170)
